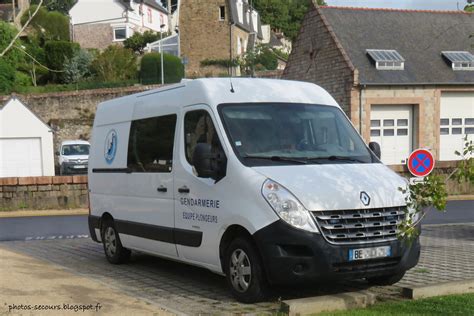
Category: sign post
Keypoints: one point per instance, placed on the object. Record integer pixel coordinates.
(421, 162)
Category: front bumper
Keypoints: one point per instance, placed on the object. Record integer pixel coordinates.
(293, 256)
(74, 168)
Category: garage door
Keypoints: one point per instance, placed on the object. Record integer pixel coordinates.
(456, 120)
(391, 127)
(20, 157)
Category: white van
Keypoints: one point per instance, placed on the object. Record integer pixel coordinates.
(73, 157)
(265, 181)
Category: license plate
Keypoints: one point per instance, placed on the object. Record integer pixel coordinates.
(79, 167)
(369, 253)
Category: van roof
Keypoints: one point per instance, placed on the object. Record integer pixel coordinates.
(215, 91)
(75, 142)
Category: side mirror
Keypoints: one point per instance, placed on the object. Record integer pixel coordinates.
(375, 147)
(57, 153)
(208, 163)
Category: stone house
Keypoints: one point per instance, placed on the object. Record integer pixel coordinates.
(100, 23)
(12, 10)
(404, 78)
(217, 31)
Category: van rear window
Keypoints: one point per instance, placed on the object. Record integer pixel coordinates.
(150, 146)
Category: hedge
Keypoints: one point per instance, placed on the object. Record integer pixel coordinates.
(150, 69)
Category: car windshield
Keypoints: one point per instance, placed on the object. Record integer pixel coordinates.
(76, 149)
(281, 133)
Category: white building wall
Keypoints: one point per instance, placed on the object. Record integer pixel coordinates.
(97, 11)
(17, 121)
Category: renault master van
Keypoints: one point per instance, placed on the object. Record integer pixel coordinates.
(264, 181)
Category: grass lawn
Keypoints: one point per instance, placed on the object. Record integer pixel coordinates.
(441, 305)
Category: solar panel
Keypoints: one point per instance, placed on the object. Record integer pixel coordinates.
(460, 60)
(387, 59)
(384, 55)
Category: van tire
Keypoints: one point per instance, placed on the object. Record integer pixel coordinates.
(246, 288)
(389, 279)
(113, 249)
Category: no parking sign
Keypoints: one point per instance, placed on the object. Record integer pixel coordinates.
(421, 162)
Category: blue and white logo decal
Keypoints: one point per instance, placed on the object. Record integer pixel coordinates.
(110, 147)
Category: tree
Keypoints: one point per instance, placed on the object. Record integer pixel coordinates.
(432, 194)
(62, 6)
(150, 69)
(115, 63)
(7, 33)
(261, 58)
(48, 25)
(137, 42)
(34, 60)
(77, 67)
(284, 15)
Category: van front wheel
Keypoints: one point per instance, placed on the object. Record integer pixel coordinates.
(244, 271)
(114, 251)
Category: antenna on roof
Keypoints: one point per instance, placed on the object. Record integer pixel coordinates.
(231, 85)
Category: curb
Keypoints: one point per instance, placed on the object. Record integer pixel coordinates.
(465, 197)
(448, 288)
(41, 213)
(328, 303)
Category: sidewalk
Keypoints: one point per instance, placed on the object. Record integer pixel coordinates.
(45, 289)
(28, 213)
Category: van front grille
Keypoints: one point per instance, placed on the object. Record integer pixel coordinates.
(360, 226)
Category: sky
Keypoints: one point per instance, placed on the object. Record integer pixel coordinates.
(402, 4)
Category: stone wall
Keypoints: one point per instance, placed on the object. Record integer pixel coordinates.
(43, 193)
(71, 114)
(317, 57)
(98, 36)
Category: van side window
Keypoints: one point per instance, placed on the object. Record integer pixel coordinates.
(198, 128)
(150, 146)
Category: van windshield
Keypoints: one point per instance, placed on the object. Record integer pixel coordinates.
(76, 149)
(281, 133)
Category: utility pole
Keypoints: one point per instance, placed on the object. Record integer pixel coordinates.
(161, 55)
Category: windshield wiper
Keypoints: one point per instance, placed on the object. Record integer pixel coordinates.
(338, 158)
(278, 158)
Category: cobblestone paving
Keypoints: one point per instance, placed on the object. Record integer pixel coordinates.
(447, 255)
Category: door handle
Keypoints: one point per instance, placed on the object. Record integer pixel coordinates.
(183, 189)
(162, 189)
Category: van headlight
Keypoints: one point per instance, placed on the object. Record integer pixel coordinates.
(287, 206)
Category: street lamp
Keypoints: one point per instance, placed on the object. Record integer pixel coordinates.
(161, 54)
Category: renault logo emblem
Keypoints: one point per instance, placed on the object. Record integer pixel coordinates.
(364, 198)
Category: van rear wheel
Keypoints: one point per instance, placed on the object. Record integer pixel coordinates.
(244, 271)
(114, 251)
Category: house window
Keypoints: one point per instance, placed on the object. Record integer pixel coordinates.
(222, 13)
(150, 16)
(120, 34)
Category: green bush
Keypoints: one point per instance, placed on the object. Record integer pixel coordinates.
(150, 70)
(7, 76)
(115, 63)
(22, 79)
(57, 52)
